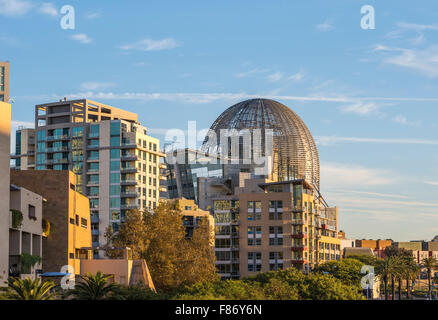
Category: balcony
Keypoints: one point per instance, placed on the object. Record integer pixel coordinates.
(297, 221)
(130, 194)
(128, 157)
(298, 235)
(297, 260)
(129, 170)
(128, 182)
(298, 247)
(129, 206)
(60, 137)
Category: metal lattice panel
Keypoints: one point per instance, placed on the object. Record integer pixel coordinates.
(297, 153)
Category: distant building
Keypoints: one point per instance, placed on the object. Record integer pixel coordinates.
(192, 215)
(24, 155)
(66, 210)
(25, 238)
(4, 81)
(378, 246)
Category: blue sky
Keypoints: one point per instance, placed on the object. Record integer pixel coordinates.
(369, 97)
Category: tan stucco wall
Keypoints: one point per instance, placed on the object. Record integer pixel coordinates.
(5, 141)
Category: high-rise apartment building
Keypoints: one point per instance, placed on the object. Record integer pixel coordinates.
(269, 225)
(4, 81)
(116, 163)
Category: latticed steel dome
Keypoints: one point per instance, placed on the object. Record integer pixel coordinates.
(297, 155)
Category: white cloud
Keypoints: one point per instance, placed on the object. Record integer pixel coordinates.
(340, 175)
(296, 76)
(404, 121)
(424, 61)
(92, 85)
(277, 76)
(48, 9)
(151, 45)
(361, 108)
(249, 73)
(324, 27)
(93, 15)
(433, 183)
(331, 140)
(15, 7)
(81, 37)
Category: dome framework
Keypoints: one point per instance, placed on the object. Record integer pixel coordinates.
(294, 149)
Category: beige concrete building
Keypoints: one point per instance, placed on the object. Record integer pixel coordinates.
(4, 81)
(67, 212)
(26, 237)
(5, 141)
(124, 271)
(269, 225)
(117, 164)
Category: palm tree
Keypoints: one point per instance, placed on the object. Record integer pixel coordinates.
(29, 289)
(95, 288)
(386, 270)
(429, 264)
(410, 272)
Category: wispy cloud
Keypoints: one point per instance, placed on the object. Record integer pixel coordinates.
(274, 77)
(249, 73)
(151, 45)
(324, 27)
(361, 108)
(201, 98)
(337, 175)
(93, 15)
(296, 76)
(404, 121)
(48, 9)
(331, 140)
(92, 85)
(424, 61)
(15, 7)
(82, 37)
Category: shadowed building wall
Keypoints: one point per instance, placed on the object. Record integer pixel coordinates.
(68, 213)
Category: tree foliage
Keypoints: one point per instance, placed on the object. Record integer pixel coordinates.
(159, 237)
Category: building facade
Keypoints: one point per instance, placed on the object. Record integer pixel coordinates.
(66, 210)
(269, 225)
(184, 167)
(5, 142)
(116, 163)
(25, 237)
(4, 81)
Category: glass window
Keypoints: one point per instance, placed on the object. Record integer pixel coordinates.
(115, 153)
(115, 165)
(114, 177)
(115, 128)
(115, 190)
(115, 141)
(114, 202)
(41, 135)
(94, 130)
(94, 155)
(77, 131)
